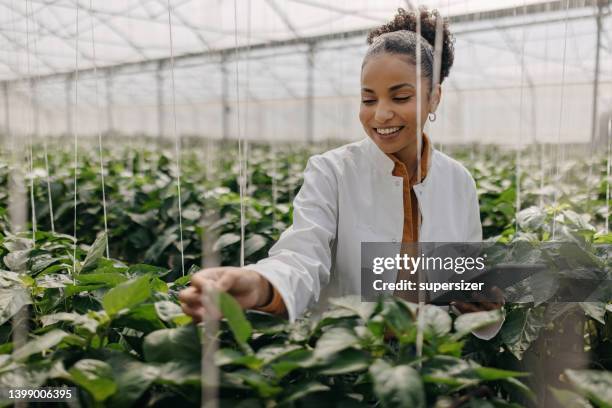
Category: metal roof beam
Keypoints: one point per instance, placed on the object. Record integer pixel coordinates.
(232, 52)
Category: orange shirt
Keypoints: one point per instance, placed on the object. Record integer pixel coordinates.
(411, 213)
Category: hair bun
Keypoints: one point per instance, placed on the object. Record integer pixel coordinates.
(405, 20)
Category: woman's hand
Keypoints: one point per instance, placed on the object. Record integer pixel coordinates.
(248, 287)
(495, 300)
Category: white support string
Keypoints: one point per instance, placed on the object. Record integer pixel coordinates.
(93, 46)
(607, 226)
(241, 172)
(76, 139)
(245, 140)
(419, 142)
(520, 134)
(177, 142)
(543, 172)
(30, 138)
(37, 125)
(558, 164)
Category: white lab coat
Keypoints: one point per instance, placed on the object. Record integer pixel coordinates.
(349, 196)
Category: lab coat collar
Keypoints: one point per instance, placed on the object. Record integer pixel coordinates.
(385, 165)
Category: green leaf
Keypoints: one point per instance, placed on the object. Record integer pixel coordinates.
(291, 361)
(229, 356)
(494, 374)
(225, 240)
(596, 385)
(142, 317)
(398, 386)
(271, 352)
(239, 325)
(78, 320)
(521, 328)
(132, 377)
(468, 322)
(11, 301)
(182, 344)
(179, 373)
(437, 322)
(126, 295)
(531, 218)
(253, 244)
(347, 361)
(167, 310)
(334, 340)
(95, 376)
(95, 252)
(596, 310)
(109, 279)
(142, 269)
(569, 399)
(44, 342)
(258, 382)
(355, 305)
(450, 371)
(300, 390)
(398, 317)
(157, 249)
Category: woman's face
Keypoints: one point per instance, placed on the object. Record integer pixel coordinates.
(388, 110)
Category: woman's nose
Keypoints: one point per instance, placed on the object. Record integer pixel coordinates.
(383, 113)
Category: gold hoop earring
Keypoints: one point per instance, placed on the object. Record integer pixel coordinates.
(432, 119)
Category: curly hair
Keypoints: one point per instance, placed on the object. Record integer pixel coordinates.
(399, 37)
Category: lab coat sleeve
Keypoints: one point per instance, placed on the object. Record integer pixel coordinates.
(474, 228)
(298, 264)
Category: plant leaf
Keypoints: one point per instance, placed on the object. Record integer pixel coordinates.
(239, 325)
(95, 252)
(596, 385)
(95, 376)
(398, 386)
(126, 295)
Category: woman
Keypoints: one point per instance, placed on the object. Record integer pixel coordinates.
(373, 190)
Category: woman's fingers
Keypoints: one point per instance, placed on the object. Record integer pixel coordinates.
(205, 278)
(190, 296)
(195, 311)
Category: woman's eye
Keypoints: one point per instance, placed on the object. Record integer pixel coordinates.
(403, 98)
(368, 101)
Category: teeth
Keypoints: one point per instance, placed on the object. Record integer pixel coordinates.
(387, 131)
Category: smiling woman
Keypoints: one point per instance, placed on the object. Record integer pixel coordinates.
(367, 191)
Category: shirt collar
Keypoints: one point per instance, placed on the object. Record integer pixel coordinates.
(386, 163)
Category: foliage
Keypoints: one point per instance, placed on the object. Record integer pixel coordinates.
(117, 333)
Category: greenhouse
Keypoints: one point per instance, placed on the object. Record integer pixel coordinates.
(201, 200)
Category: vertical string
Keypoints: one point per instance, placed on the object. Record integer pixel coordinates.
(93, 46)
(246, 115)
(558, 164)
(419, 141)
(520, 135)
(542, 155)
(76, 139)
(607, 226)
(177, 142)
(30, 150)
(241, 172)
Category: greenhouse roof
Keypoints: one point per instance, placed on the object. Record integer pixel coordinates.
(39, 37)
(282, 52)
